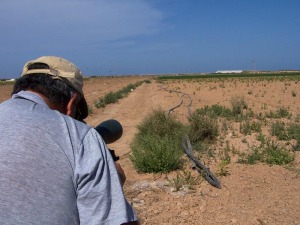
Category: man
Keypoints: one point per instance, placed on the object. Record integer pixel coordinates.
(55, 169)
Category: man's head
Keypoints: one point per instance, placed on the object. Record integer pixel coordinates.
(57, 79)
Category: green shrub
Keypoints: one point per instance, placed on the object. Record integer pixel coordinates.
(154, 154)
(202, 127)
(277, 155)
(157, 122)
(112, 97)
(294, 131)
(109, 98)
(283, 112)
(278, 129)
(254, 157)
(128, 88)
(215, 111)
(157, 145)
(100, 103)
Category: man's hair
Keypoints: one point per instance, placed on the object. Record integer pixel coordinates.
(57, 92)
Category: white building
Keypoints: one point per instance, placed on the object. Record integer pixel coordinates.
(229, 71)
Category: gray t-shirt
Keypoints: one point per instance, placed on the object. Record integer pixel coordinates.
(54, 169)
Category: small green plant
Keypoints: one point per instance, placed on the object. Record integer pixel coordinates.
(215, 111)
(155, 154)
(158, 123)
(157, 145)
(223, 168)
(276, 155)
(269, 153)
(261, 137)
(202, 127)
(251, 158)
(281, 112)
(225, 154)
(184, 179)
(294, 93)
(293, 131)
(278, 129)
(238, 104)
(249, 127)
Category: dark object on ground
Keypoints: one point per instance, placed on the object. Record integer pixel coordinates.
(204, 171)
(110, 130)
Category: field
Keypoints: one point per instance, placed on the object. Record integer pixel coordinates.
(258, 193)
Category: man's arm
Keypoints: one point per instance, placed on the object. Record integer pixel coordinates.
(100, 195)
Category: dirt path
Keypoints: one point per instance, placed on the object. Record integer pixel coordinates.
(129, 111)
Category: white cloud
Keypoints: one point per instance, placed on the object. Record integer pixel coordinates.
(25, 23)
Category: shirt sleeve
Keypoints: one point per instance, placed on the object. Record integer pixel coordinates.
(100, 198)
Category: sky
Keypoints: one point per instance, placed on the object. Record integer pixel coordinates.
(132, 37)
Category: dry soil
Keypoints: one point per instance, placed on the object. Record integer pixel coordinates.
(250, 194)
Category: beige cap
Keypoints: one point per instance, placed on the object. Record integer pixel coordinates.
(64, 70)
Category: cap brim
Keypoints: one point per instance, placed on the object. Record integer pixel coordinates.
(83, 108)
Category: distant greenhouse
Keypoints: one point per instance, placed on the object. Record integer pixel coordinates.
(229, 71)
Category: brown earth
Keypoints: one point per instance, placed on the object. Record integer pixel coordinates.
(250, 194)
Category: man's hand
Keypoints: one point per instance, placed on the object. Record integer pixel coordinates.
(121, 173)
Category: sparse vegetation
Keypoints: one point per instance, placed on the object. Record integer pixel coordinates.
(248, 127)
(6, 82)
(113, 97)
(154, 145)
(223, 168)
(281, 112)
(184, 179)
(238, 105)
(270, 153)
(157, 147)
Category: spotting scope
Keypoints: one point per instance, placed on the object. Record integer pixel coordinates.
(110, 130)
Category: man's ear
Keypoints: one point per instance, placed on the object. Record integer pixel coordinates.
(71, 106)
